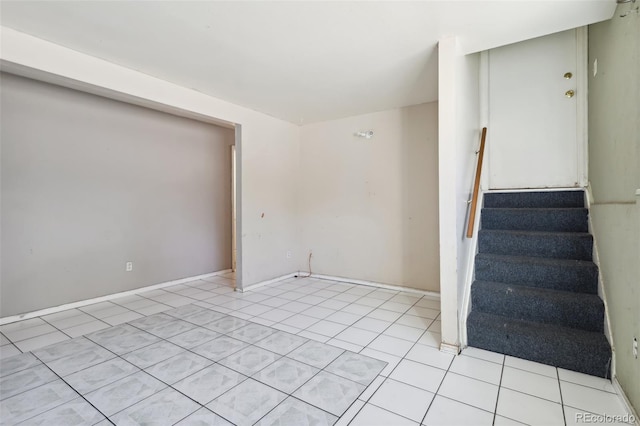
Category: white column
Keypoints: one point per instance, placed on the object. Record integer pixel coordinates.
(447, 51)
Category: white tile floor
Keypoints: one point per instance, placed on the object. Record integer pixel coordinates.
(164, 368)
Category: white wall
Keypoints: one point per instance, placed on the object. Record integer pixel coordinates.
(459, 130)
(269, 149)
(614, 175)
(368, 207)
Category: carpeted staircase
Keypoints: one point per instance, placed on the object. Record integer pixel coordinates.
(535, 294)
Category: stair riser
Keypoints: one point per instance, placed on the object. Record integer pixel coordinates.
(522, 306)
(574, 220)
(550, 199)
(593, 359)
(553, 246)
(579, 278)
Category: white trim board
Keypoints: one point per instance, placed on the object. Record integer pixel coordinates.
(299, 274)
(582, 112)
(449, 348)
(470, 276)
(266, 282)
(433, 295)
(608, 332)
(73, 305)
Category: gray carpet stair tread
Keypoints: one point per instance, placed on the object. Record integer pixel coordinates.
(535, 199)
(536, 219)
(578, 350)
(559, 274)
(576, 310)
(535, 294)
(560, 245)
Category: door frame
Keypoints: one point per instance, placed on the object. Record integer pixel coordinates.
(582, 117)
(233, 209)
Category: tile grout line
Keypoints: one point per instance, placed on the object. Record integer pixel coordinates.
(435, 394)
(495, 408)
(372, 309)
(71, 387)
(280, 357)
(318, 305)
(320, 370)
(266, 384)
(402, 358)
(143, 370)
(213, 362)
(564, 415)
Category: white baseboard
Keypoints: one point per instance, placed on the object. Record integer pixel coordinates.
(266, 282)
(626, 401)
(81, 303)
(431, 294)
(449, 348)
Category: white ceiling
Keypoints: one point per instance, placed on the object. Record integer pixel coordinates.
(299, 61)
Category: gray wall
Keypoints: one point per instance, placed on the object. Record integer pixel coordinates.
(614, 173)
(88, 184)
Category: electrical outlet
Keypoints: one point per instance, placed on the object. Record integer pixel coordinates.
(128, 267)
(288, 254)
(635, 348)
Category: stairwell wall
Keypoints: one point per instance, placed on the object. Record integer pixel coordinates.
(614, 175)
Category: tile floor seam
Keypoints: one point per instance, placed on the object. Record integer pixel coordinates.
(479, 380)
(467, 404)
(393, 412)
(436, 393)
(312, 305)
(63, 329)
(529, 371)
(279, 390)
(116, 354)
(404, 358)
(406, 384)
(588, 387)
(564, 414)
(71, 387)
(355, 415)
(14, 342)
(531, 395)
(185, 349)
(323, 369)
(167, 386)
(215, 362)
(501, 363)
(495, 407)
(391, 324)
